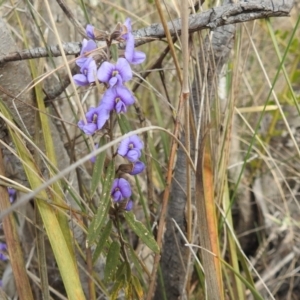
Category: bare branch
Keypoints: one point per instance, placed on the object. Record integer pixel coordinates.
(210, 19)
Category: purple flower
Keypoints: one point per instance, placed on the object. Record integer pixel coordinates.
(88, 73)
(96, 118)
(134, 57)
(118, 97)
(129, 205)
(3, 248)
(90, 31)
(115, 74)
(131, 148)
(120, 189)
(137, 168)
(87, 46)
(12, 193)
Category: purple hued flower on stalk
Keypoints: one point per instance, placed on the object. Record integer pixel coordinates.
(88, 73)
(118, 97)
(96, 118)
(131, 148)
(87, 46)
(120, 189)
(12, 193)
(90, 31)
(129, 205)
(115, 74)
(137, 168)
(133, 56)
(3, 248)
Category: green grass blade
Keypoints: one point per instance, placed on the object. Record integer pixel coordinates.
(141, 231)
(102, 240)
(98, 169)
(65, 261)
(104, 204)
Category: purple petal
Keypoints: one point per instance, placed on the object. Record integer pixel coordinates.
(133, 155)
(123, 147)
(136, 141)
(129, 205)
(91, 114)
(114, 185)
(129, 49)
(138, 57)
(92, 71)
(120, 106)
(12, 193)
(88, 128)
(125, 95)
(87, 46)
(103, 116)
(127, 23)
(109, 97)
(90, 31)
(114, 80)
(124, 187)
(105, 72)
(117, 196)
(138, 167)
(80, 80)
(124, 69)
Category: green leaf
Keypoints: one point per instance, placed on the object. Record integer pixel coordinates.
(124, 124)
(102, 240)
(137, 287)
(117, 287)
(141, 231)
(112, 262)
(98, 168)
(104, 204)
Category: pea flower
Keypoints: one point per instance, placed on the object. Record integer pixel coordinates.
(120, 189)
(87, 46)
(133, 56)
(129, 205)
(118, 97)
(137, 168)
(131, 148)
(115, 74)
(88, 73)
(90, 31)
(96, 118)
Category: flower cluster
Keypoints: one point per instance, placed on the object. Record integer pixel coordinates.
(131, 149)
(116, 98)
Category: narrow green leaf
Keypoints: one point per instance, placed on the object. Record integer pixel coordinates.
(104, 204)
(137, 287)
(102, 240)
(117, 287)
(124, 124)
(98, 169)
(137, 264)
(141, 231)
(112, 261)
